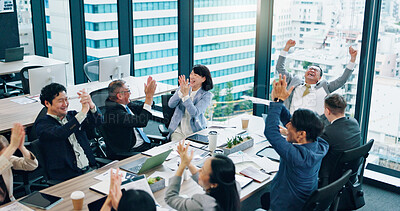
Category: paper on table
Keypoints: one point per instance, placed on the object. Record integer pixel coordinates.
(261, 162)
(140, 184)
(160, 149)
(257, 100)
(16, 206)
(24, 100)
(106, 175)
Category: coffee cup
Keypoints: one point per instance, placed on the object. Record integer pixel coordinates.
(245, 123)
(77, 199)
(212, 140)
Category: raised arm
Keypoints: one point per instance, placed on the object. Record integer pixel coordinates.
(339, 82)
(280, 65)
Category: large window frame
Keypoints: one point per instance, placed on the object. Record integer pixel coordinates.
(186, 46)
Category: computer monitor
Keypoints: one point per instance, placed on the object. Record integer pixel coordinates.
(13, 54)
(114, 67)
(42, 76)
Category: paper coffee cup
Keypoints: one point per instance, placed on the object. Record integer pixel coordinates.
(77, 199)
(212, 141)
(245, 123)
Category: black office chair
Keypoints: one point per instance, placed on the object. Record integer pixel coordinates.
(7, 81)
(25, 78)
(167, 113)
(91, 70)
(328, 196)
(35, 148)
(31, 131)
(354, 159)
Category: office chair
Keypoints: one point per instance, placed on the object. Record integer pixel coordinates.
(6, 82)
(91, 70)
(167, 113)
(31, 131)
(328, 196)
(25, 78)
(353, 159)
(34, 147)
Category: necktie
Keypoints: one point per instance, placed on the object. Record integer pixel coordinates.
(140, 131)
(307, 91)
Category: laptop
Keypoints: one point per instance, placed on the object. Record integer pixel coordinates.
(13, 54)
(143, 164)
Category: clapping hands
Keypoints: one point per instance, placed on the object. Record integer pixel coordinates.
(184, 85)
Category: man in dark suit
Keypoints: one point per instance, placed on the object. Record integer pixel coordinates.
(342, 134)
(62, 133)
(123, 119)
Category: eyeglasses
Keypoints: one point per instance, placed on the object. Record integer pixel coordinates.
(129, 91)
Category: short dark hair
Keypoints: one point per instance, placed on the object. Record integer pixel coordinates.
(320, 69)
(51, 91)
(139, 200)
(336, 103)
(113, 89)
(203, 71)
(308, 121)
(223, 174)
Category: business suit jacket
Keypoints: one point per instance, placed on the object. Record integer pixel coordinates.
(295, 81)
(59, 155)
(343, 134)
(118, 124)
(17, 163)
(195, 108)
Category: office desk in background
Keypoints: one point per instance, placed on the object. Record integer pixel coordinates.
(189, 187)
(12, 112)
(32, 60)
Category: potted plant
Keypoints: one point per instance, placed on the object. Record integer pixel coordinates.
(237, 143)
(156, 183)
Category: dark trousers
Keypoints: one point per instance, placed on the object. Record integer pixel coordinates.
(266, 200)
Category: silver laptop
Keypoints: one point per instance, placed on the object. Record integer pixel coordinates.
(13, 54)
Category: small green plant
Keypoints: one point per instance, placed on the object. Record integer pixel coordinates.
(234, 141)
(229, 143)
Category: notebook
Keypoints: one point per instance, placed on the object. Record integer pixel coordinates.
(143, 164)
(255, 174)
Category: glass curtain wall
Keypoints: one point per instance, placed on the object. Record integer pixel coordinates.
(101, 27)
(384, 119)
(58, 26)
(25, 26)
(323, 31)
(224, 41)
(155, 30)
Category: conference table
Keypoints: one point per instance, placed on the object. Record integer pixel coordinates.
(12, 112)
(31, 60)
(188, 188)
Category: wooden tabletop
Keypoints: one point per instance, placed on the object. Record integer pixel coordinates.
(189, 187)
(12, 112)
(32, 60)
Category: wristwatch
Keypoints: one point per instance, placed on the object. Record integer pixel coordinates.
(278, 100)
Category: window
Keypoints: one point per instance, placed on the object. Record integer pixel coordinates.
(156, 40)
(101, 36)
(384, 119)
(25, 26)
(321, 39)
(59, 35)
(225, 43)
